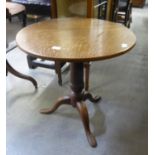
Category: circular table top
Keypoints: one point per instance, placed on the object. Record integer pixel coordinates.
(75, 39)
(14, 8)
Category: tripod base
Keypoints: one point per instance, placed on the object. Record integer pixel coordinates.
(76, 99)
(81, 107)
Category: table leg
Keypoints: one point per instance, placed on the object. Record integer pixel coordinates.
(81, 106)
(60, 101)
(24, 18)
(90, 97)
(76, 99)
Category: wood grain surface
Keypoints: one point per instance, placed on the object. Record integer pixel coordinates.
(75, 39)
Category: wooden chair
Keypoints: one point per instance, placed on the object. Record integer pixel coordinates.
(36, 8)
(15, 9)
(9, 68)
(123, 12)
(16, 73)
(58, 64)
(102, 9)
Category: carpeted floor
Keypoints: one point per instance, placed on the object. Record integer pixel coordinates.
(119, 121)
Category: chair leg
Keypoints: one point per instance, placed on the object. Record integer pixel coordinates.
(24, 18)
(10, 18)
(57, 67)
(10, 69)
(87, 69)
(58, 71)
(30, 61)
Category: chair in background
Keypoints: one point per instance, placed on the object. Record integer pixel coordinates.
(36, 7)
(15, 9)
(33, 64)
(10, 69)
(102, 9)
(122, 12)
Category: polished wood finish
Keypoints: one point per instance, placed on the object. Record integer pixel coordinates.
(75, 39)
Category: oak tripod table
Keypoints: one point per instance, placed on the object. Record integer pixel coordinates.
(76, 40)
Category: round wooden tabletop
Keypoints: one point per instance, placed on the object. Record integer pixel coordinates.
(75, 39)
